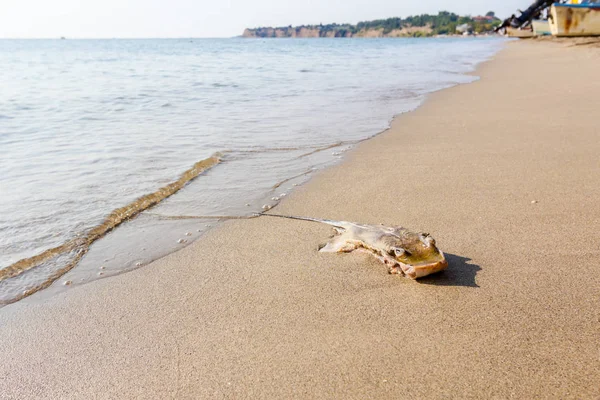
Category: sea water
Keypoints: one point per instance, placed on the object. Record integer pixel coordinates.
(88, 127)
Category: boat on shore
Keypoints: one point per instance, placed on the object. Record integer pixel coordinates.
(575, 19)
(543, 17)
(541, 27)
(519, 33)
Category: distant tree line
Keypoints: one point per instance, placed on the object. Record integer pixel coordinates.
(444, 23)
(441, 24)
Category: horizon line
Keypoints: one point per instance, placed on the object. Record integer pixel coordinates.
(118, 37)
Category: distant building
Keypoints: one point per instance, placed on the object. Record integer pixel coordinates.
(484, 18)
(464, 28)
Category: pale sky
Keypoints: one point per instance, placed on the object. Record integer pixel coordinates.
(203, 18)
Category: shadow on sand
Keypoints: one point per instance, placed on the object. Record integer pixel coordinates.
(459, 273)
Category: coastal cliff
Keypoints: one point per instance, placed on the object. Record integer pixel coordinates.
(316, 32)
(444, 23)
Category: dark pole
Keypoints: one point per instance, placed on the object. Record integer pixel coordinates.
(526, 16)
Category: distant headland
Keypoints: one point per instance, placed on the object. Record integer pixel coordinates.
(444, 23)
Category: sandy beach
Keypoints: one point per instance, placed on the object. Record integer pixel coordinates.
(503, 172)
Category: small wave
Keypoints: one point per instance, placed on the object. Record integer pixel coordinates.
(166, 105)
(79, 246)
(223, 85)
(318, 149)
(5, 117)
(95, 60)
(268, 149)
(331, 146)
(278, 184)
(312, 149)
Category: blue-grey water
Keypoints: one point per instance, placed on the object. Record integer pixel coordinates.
(88, 126)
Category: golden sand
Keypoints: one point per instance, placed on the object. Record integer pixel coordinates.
(504, 172)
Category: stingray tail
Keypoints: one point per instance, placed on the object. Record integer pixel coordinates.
(339, 224)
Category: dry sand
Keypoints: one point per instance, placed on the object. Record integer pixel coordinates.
(253, 311)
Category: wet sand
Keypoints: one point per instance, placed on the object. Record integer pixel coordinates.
(504, 173)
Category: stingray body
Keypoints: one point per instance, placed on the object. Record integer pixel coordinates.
(412, 254)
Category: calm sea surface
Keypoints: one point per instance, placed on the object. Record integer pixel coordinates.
(89, 126)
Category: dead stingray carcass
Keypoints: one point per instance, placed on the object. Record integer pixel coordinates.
(412, 254)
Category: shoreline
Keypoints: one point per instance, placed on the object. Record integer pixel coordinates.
(251, 309)
(137, 233)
